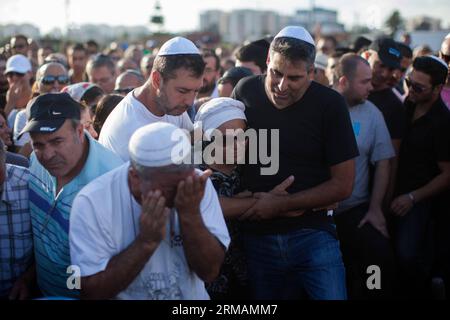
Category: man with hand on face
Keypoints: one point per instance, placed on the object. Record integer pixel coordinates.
(176, 78)
(317, 147)
(18, 74)
(65, 159)
(158, 232)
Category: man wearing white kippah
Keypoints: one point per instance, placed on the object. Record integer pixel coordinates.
(176, 78)
(158, 232)
(317, 146)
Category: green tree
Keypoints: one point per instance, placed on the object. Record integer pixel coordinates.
(394, 22)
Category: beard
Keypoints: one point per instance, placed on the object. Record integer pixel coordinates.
(207, 87)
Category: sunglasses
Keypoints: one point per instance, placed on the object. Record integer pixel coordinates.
(17, 74)
(415, 86)
(124, 91)
(19, 46)
(48, 80)
(445, 57)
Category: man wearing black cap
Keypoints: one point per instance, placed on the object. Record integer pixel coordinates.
(230, 79)
(290, 257)
(423, 173)
(65, 159)
(384, 58)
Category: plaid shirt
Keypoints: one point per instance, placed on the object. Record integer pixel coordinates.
(16, 242)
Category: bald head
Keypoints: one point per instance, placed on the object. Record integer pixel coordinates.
(444, 54)
(127, 81)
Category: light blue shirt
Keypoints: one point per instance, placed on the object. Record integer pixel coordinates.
(50, 217)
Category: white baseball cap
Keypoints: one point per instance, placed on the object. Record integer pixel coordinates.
(18, 63)
(296, 32)
(178, 45)
(77, 90)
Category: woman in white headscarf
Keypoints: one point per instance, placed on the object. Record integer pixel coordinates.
(220, 120)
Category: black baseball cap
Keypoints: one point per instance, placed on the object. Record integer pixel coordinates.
(235, 74)
(388, 51)
(48, 112)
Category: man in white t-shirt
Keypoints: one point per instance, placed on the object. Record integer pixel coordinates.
(176, 78)
(151, 229)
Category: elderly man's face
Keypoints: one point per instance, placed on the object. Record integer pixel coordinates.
(60, 152)
(166, 182)
(54, 78)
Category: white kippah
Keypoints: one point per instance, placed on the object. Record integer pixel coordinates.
(159, 144)
(178, 45)
(447, 36)
(217, 111)
(438, 60)
(296, 32)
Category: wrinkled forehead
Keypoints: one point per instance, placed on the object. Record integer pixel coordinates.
(52, 69)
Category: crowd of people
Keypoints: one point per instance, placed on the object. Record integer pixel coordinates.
(100, 201)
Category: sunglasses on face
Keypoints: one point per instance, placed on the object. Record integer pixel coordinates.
(18, 46)
(48, 80)
(415, 86)
(123, 91)
(17, 74)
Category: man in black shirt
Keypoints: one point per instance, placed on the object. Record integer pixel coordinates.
(384, 58)
(423, 171)
(289, 256)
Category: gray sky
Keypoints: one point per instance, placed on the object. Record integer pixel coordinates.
(184, 14)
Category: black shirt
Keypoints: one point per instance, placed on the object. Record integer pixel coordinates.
(392, 109)
(426, 142)
(314, 134)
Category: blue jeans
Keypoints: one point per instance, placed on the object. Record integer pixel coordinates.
(294, 264)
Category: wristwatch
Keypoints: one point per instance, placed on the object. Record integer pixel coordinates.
(411, 196)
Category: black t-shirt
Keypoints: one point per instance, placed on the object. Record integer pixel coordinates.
(426, 142)
(314, 134)
(392, 109)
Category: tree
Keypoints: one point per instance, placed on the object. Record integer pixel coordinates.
(394, 22)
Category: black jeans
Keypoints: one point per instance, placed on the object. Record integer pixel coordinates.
(413, 248)
(361, 248)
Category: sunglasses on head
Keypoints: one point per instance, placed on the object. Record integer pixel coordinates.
(47, 80)
(416, 87)
(17, 74)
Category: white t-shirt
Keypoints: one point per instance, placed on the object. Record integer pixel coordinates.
(104, 221)
(19, 124)
(128, 116)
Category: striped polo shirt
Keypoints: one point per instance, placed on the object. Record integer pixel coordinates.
(50, 217)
